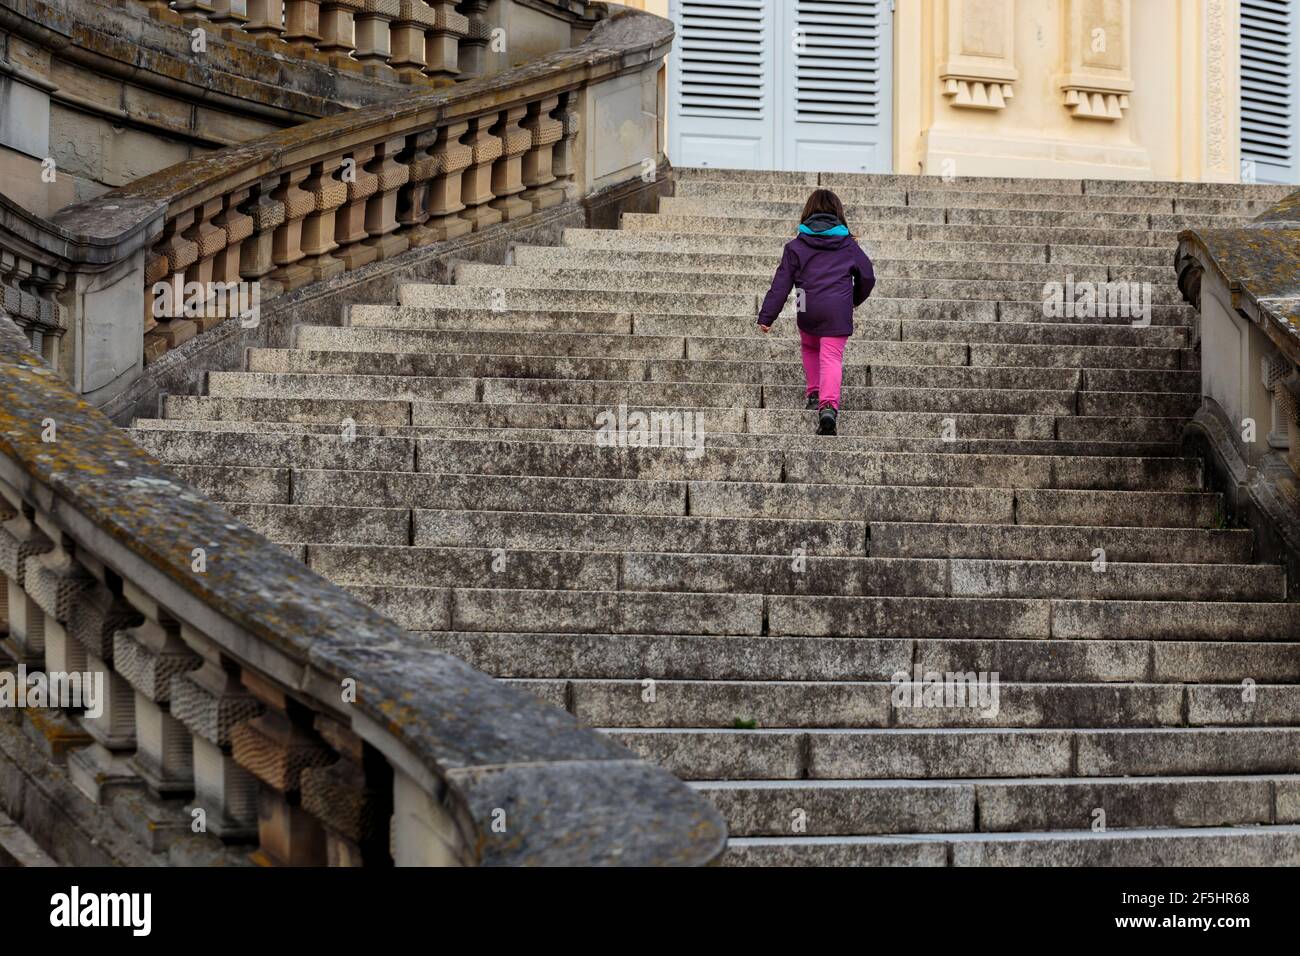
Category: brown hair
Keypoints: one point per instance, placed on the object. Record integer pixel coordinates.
(824, 201)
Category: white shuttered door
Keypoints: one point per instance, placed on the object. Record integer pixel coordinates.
(781, 84)
(1270, 90)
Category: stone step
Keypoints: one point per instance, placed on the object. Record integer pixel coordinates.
(962, 184)
(907, 754)
(759, 658)
(1057, 250)
(490, 565)
(566, 257)
(1164, 237)
(577, 424)
(843, 502)
(947, 198)
(873, 807)
(1163, 847)
(646, 343)
(865, 215)
(873, 704)
(487, 319)
(542, 277)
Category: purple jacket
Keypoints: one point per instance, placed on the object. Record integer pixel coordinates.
(835, 275)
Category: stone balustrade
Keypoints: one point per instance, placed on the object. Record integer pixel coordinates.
(249, 708)
(1246, 284)
(301, 205)
(418, 41)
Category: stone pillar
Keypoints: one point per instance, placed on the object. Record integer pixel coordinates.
(211, 702)
(148, 657)
(20, 540)
(566, 163)
(286, 246)
(265, 19)
(179, 253)
(451, 158)
(406, 34)
(381, 208)
(350, 220)
(545, 131)
(442, 42)
(338, 28)
(238, 227)
(373, 29)
(276, 747)
(351, 798)
(104, 765)
(476, 181)
(209, 240)
(230, 13)
(302, 25)
(256, 254)
(412, 199)
(472, 58)
(507, 172)
(328, 193)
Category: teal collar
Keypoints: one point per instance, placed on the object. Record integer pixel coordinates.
(840, 230)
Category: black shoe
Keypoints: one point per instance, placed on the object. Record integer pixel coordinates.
(826, 421)
(812, 401)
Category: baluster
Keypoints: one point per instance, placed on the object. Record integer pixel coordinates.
(565, 159)
(21, 539)
(413, 198)
(286, 249)
(238, 227)
(180, 253)
(265, 20)
(546, 131)
(328, 194)
(381, 208)
(407, 38)
(256, 257)
(472, 58)
(476, 181)
(507, 182)
(451, 158)
(232, 14)
(442, 42)
(105, 765)
(211, 702)
(148, 657)
(302, 25)
(210, 240)
(276, 747)
(374, 35)
(351, 798)
(337, 28)
(350, 220)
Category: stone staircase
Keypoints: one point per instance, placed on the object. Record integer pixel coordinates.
(739, 615)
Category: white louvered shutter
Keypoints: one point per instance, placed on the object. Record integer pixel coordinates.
(1270, 90)
(781, 84)
(721, 73)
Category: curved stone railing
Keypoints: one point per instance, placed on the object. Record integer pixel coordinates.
(1246, 284)
(298, 718)
(304, 204)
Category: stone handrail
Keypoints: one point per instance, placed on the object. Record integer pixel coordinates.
(299, 717)
(304, 204)
(414, 40)
(1246, 282)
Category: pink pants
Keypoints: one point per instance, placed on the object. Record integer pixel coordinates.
(823, 366)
